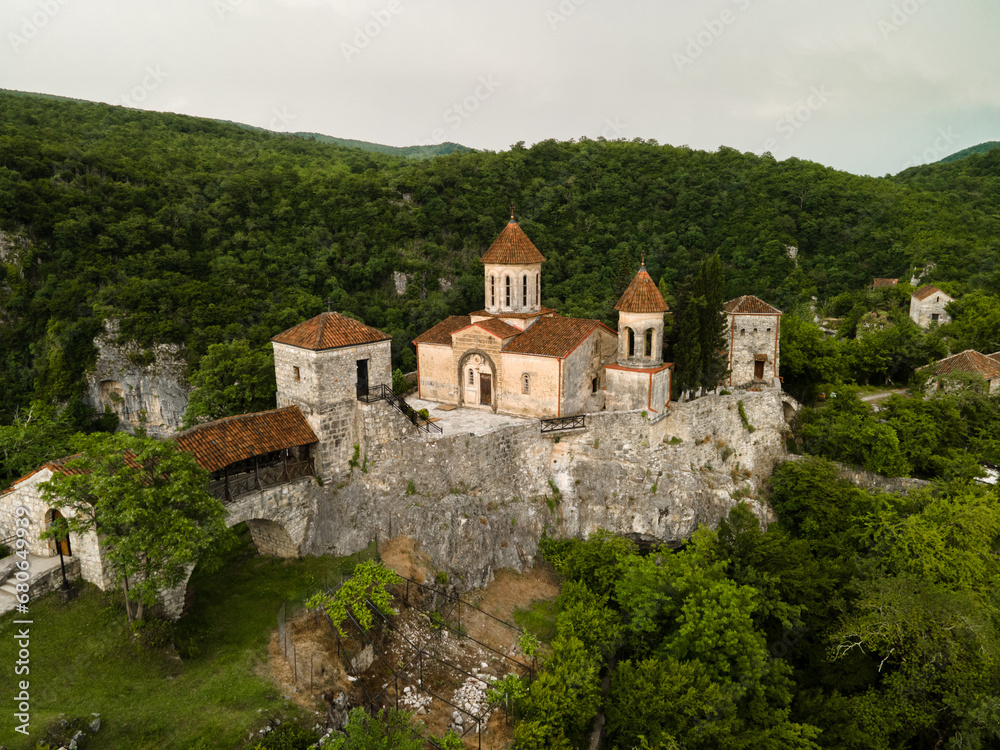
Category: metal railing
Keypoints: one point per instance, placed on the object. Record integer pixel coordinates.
(229, 488)
(557, 424)
(383, 392)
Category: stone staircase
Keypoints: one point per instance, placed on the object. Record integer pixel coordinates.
(45, 576)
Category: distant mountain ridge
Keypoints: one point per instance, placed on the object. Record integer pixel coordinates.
(982, 148)
(412, 152)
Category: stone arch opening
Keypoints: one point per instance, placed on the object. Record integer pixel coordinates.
(51, 516)
(648, 344)
(481, 388)
(271, 538)
(630, 337)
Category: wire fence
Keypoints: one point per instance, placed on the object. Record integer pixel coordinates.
(389, 658)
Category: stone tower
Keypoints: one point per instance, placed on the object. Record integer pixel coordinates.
(640, 379)
(321, 366)
(513, 270)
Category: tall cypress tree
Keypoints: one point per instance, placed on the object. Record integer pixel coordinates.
(708, 288)
(686, 347)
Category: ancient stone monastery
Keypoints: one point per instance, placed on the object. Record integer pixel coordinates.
(278, 470)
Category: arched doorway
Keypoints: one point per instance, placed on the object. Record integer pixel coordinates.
(477, 378)
(61, 545)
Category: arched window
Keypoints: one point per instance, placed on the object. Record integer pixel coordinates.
(526, 383)
(631, 342)
(538, 289)
(524, 290)
(507, 279)
(743, 331)
(493, 291)
(472, 377)
(649, 342)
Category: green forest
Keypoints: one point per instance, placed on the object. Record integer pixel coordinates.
(858, 620)
(197, 232)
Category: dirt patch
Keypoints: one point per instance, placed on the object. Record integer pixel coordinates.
(315, 667)
(403, 555)
(509, 591)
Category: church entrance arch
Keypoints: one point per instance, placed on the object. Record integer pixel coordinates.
(477, 378)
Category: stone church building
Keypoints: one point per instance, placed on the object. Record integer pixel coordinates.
(520, 358)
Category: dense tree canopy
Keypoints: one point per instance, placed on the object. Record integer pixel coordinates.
(198, 232)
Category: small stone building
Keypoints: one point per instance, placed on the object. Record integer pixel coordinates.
(927, 306)
(322, 366)
(640, 379)
(515, 356)
(969, 361)
(753, 328)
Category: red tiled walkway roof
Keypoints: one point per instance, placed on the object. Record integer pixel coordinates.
(226, 441)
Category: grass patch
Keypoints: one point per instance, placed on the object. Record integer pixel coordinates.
(539, 619)
(83, 660)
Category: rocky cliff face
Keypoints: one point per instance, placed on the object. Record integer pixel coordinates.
(477, 503)
(138, 391)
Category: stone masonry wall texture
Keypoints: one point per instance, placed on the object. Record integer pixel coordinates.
(480, 502)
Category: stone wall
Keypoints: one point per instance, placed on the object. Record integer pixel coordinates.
(922, 312)
(748, 336)
(324, 387)
(542, 399)
(481, 502)
(581, 366)
(872, 482)
(437, 373)
(152, 395)
(638, 324)
(84, 548)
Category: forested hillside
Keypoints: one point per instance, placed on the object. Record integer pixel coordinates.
(196, 232)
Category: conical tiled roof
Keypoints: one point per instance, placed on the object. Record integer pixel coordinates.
(512, 248)
(330, 330)
(642, 295)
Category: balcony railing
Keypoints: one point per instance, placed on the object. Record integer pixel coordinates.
(385, 393)
(558, 424)
(231, 486)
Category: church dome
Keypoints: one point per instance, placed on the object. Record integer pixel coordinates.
(512, 248)
(642, 295)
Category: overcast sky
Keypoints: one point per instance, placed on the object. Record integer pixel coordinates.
(867, 86)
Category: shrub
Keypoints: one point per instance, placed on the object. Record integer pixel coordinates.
(399, 384)
(743, 416)
(411, 488)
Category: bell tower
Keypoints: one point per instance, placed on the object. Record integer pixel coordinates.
(640, 379)
(513, 273)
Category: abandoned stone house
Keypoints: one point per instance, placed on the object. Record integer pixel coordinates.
(753, 329)
(927, 306)
(517, 357)
(969, 361)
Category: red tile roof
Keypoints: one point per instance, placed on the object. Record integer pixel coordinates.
(642, 295)
(995, 355)
(330, 330)
(877, 283)
(226, 441)
(56, 466)
(750, 305)
(497, 328)
(519, 316)
(512, 248)
(926, 291)
(968, 361)
(441, 333)
(554, 337)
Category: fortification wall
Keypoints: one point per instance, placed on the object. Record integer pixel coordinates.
(480, 502)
